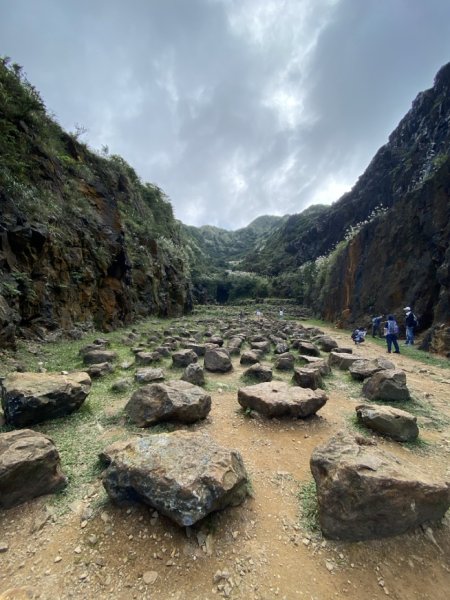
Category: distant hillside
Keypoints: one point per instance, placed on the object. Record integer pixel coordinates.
(82, 240)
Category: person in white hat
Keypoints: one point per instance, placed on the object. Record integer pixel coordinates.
(410, 325)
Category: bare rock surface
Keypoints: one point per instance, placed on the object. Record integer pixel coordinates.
(364, 492)
(149, 375)
(393, 422)
(29, 398)
(387, 385)
(172, 401)
(278, 399)
(183, 475)
(29, 467)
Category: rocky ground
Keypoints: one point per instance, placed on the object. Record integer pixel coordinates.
(78, 545)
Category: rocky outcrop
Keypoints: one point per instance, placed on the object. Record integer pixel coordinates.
(29, 467)
(364, 492)
(178, 401)
(82, 241)
(29, 398)
(183, 475)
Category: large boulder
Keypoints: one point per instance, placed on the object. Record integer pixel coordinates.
(387, 385)
(149, 375)
(250, 357)
(364, 492)
(313, 361)
(308, 348)
(218, 360)
(342, 360)
(284, 362)
(326, 343)
(172, 401)
(183, 475)
(263, 346)
(29, 467)
(278, 399)
(364, 367)
(144, 358)
(393, 422)
(29, 398)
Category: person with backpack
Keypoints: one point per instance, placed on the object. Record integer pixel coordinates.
(391, 334)
(410, 325)
(359, 335)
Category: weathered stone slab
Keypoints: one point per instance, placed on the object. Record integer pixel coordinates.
(183, 475)
(93, 357)
(259, 372)
(308, 377)
(393, 422)
(387, 385)
(284, 362)
(29, 467)
(364, 492)
(147, 358)
(100, 370)
(172, 401)
(194, 374)
(250, 357)
(364, 368)
(342, 360)
(278, 399)
(326, 343)
(183, 358)
(308, 348)
(149, 375)
(29, 398)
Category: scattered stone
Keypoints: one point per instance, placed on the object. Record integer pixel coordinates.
(172, 401)
(29, 467)
(4, 547)
(284, 362)
(218, 360)
(29, 398)
(364, 368)
(183, 358)
(194, 374)
(326, 343)
(183, 475)
(259, 372)
(150, 577)
(308, 377)
(308, 348)
(364, 492)
(250, 357)
(278, 399)
(94, 357)
(149, 375)
(100, 370)
(393, 422)
(342, 360)
(147, 358)
(122, 385)
(387, 385)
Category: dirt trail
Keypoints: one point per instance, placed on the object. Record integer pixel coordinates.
(101, 551)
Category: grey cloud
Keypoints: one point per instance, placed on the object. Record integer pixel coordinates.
(235, 109)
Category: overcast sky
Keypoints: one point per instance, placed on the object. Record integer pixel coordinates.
(235, 108)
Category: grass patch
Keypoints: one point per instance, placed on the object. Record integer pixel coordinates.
(309, 509)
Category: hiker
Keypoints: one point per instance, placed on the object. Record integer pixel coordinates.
(358, 336)
(391, 329)
(410, 325)
(376, 326)
(281, 313)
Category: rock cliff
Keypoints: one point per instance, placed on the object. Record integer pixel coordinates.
(82, 240)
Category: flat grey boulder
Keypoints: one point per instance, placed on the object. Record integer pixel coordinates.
(199, 349)
(195, 374)
(29, 467)
(100, 370)
(172, 401)
(308, 377)
(263, 346)
(393, 422)
(259, 372)
(387, 385)
(342, 360)
(183, 475)
(314, 361)
(278, 399)
(93, 357)
(217, 360)
(364, 368)
(183, 358)
(365, 493)
(149, 375)
(29, 398)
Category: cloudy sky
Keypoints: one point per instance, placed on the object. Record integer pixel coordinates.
(236, 108)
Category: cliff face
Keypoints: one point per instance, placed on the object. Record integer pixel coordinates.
(82, 240)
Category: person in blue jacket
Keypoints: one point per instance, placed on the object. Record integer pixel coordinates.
(391, 334)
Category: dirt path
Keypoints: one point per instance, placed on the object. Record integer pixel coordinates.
(260, 550)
